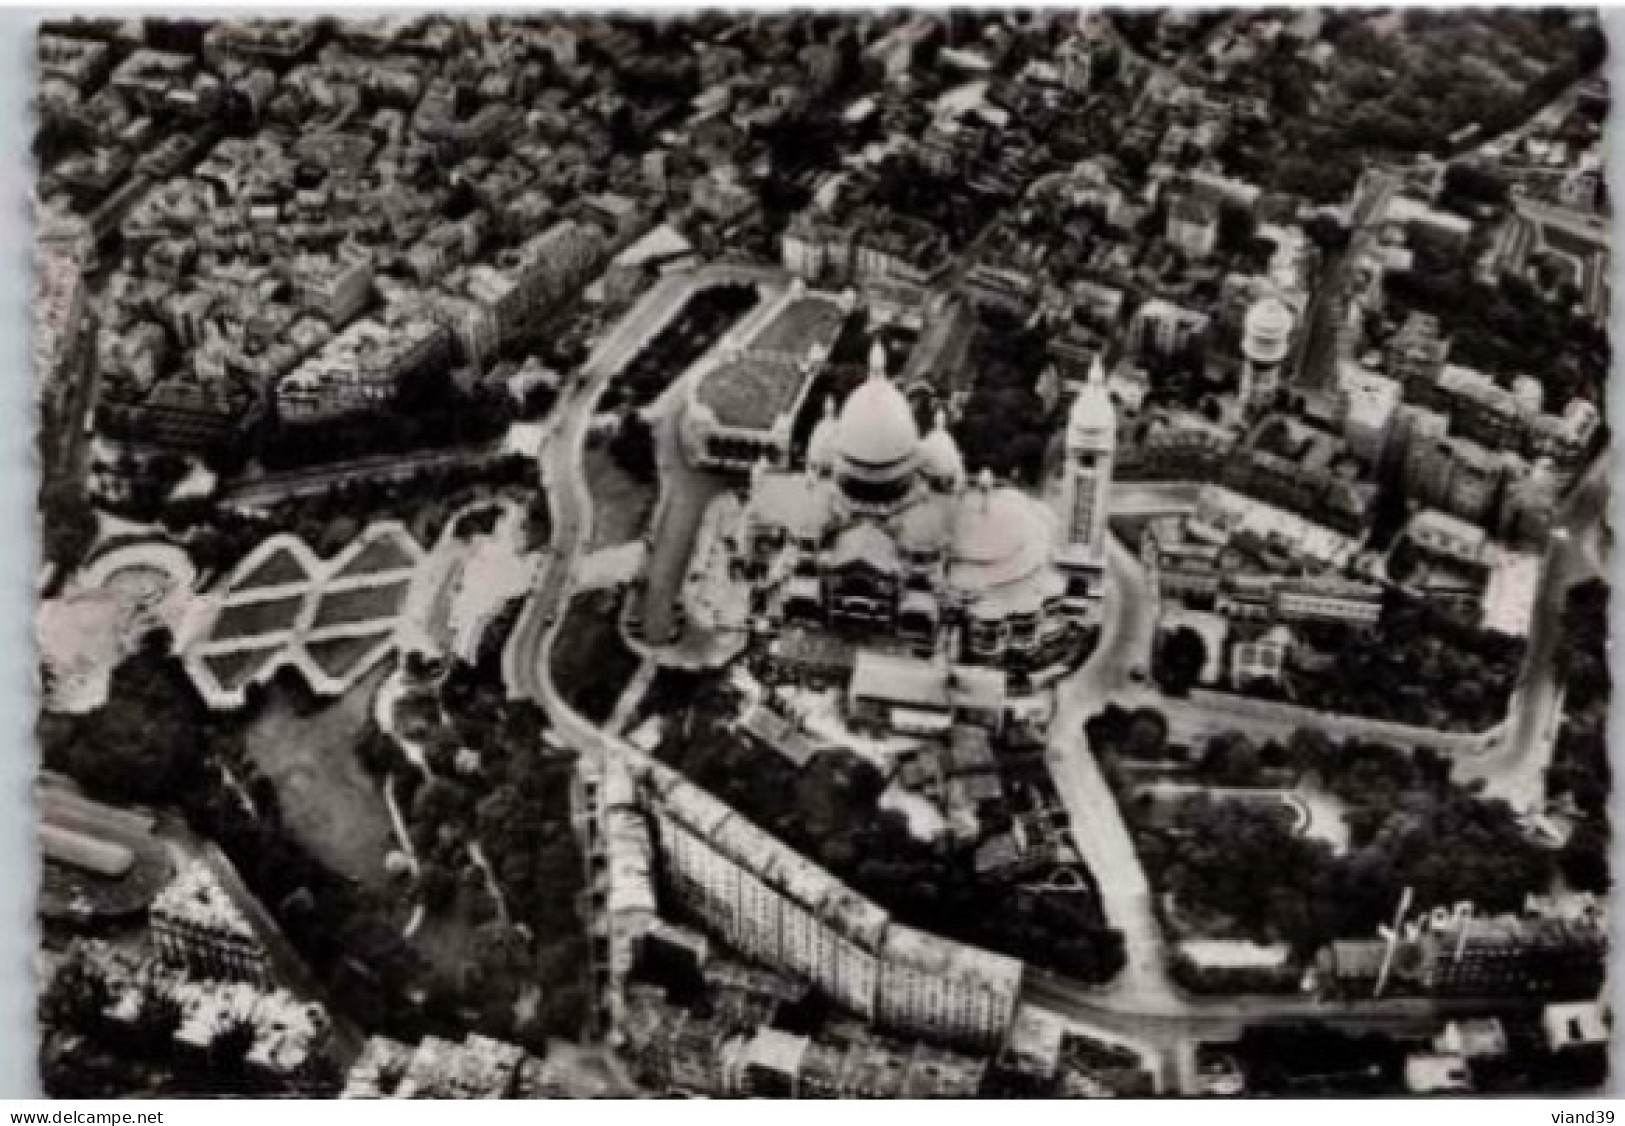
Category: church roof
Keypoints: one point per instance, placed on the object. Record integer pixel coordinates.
(792, 502)
(876, 428)
(1092, 420)
(821, 446)
(939, 454)
(867, 544)
(1001, 536)
(925, 525)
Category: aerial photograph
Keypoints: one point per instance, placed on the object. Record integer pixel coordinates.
(929, 554)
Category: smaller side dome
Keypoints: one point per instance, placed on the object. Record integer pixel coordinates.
(821, 449)
(940, 460)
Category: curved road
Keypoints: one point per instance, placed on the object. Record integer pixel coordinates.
(1127, 626)
(1516, 769)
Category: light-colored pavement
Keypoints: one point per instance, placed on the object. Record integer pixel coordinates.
(1102, 837)
(685, 493)
(1516, 769)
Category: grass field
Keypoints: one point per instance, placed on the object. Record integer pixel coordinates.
(365, 604)
(382, 554)
(251, 619)
(233, 669)
(336, 656)
(621, 504)
(275, 569)
(328, 802)
(591, 663)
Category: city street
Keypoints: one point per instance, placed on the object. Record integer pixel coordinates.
(1127, 627)
(1515, 770)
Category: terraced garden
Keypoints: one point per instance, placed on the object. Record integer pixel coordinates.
(360, 604)
(322, 617)
(233, 669)
(382, 554)
(254, 619)
(336, 656)
(279, 568)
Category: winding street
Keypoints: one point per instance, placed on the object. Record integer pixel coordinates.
(570, 504)
(1127, 626)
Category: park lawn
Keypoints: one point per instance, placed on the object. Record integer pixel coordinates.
(253, 619)
(329, 803)
(278, 568)
(361, 604)
(337, 655)
(621, 504)
(382, 554)
(591, 663)
(234, 669)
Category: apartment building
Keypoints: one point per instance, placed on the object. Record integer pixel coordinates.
(774, 906)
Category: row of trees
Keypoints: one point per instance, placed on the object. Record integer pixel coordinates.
(1581, 772)
(430, 412)
(218, 538)
(698, 326)
(1362, 773)
(1417, 665)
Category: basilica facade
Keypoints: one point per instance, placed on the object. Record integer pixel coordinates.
(937, 577)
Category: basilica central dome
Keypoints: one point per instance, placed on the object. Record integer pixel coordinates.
(876, 431)
(877, 444)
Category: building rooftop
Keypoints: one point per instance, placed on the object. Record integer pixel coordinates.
(1512, 594)
(775, 1050)
(287, 1031)
(968, 965)
(195, 896)
(1234, 954)
(778, 865)
(1576, 1024)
